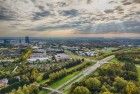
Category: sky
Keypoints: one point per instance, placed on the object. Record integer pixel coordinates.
(70, 18)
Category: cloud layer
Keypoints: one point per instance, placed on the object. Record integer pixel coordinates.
(69, 17)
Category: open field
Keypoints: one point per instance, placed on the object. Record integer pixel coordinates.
(59, 82)
(74, 56)
(62, 81)
(138, 70)
(43, 92)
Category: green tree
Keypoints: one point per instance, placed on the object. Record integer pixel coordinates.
(93, 83)
(129, 75)
(81, 90)
(34, 74)
(104, 89)
(107, 92)
(129, 66)
(19, 91)
(25, 89)
(74, 85)
(13, 91)
(119, 84)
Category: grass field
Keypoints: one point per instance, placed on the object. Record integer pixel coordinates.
(138, 70)
(74, 56)
(43, 92)
(62, 81)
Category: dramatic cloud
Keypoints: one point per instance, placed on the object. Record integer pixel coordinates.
(69, 17)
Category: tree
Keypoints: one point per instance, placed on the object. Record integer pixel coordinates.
(93, 84)
(119, 84)
(19, 91)
(104, 89)
(74, 85)
(29, 89)
(57, 75)
(110, 70)
(25, 55)
(129, 66)
(131, 88)
(107, 92)
(13, 80)
(81, 90)
(129, 75)
(25, 89)
(34, 74)
(13, 91)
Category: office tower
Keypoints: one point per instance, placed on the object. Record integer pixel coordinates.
(27, 40)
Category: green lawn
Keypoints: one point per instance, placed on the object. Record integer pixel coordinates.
(43, 92)
(114, 60)
(64, 80)
(66, 91)
(44, 81)
(138, 70)
(74, 56)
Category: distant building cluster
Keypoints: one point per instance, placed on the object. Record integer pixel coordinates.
(42, 54)
(38, 54)
(54, 49)
(18, 41)
(10, 53)
(86, 53)
(62, 56)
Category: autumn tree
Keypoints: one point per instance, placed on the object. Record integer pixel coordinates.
(93, 84)
(131, 88)
(119, 84)
(81, 90)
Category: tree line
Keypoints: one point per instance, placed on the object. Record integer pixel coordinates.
(52, 77)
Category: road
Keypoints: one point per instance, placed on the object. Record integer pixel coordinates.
(92, 68)
(54, 91)
(84, 73)
(15, 69)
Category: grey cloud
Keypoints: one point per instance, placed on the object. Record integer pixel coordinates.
(112, 2)
(119, 8)
(126, 2)
(71, 12)
(6, 14)
(39, 15)
(131, 23)
(38, 28)
(127, 26)
(136, 1)
(109, 11)
(47, 28)
(42, 8)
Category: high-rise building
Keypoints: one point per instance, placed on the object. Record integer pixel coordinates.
(27, 40)
(20, 41)
(6, 41)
